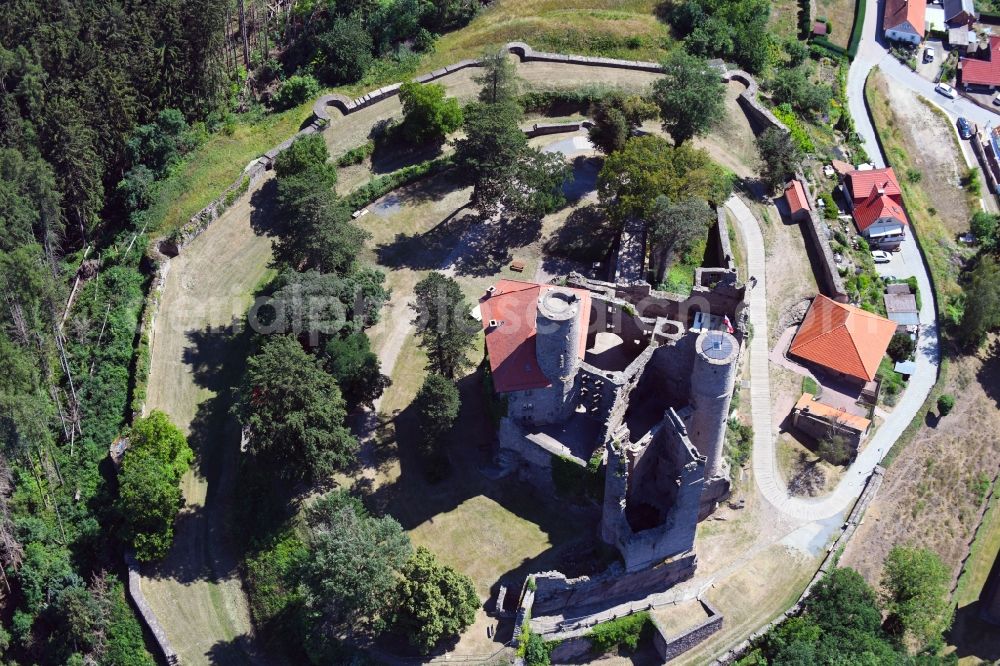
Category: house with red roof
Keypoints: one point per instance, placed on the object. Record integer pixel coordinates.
(982, 73)
(905, 20)
(798, 202)
(876, 202)
(844, 340)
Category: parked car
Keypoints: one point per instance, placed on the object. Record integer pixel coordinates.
(996, 99)
(946, 90)
(881, 256)
(964, 128)
(929, 54)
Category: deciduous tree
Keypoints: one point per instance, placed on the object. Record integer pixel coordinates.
(351, 575)
(435, 601)
(498, 81)
(690, 95)
(674, 227)
(427, 114)
(780, 157)
(916, 595)
(632, 178)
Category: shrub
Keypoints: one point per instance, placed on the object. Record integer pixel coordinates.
(830, 210)
(536, 653)
(294, 91)
(356, 155)
(945, 404)
(901, 347)
(624, 632)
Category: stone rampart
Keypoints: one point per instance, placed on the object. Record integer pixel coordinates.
(148, 616)
(814, 231)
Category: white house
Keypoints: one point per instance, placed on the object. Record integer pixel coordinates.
(905, 20)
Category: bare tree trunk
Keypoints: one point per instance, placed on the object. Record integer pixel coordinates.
(243, 35)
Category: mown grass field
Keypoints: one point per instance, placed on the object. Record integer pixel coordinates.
(613, 28)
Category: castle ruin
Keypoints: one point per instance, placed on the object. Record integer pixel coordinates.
(623, 375)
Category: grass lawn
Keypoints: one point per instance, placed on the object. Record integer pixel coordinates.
(613, 28)
(793, 455)
(784, 22)
(840, 13)
(216, 164)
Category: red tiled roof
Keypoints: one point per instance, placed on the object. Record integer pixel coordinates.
(898, 12)
(983, 72)
(511, 345)
(808, 403)
(843, 338)
(860, 183)
(874, 208)
(796, 196)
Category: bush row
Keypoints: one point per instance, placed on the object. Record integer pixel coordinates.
(378, 187)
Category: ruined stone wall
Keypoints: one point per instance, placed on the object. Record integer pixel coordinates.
(669, 372)
(823, 262)
(555, 594)
(819, 428)
(671, 647)
(676, 533)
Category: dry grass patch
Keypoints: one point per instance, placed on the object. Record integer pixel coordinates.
(840, 13)
(933, 490)
(747, 604)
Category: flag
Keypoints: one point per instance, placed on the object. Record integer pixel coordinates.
(729, 324)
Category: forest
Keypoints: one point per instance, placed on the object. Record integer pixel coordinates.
(100, 101)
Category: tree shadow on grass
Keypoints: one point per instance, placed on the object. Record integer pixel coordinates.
(489, 245)
(989, 373)
(237, 652)
(427, 250)
(262, 209)
(395, 154)
(587, 235)
(418, 497)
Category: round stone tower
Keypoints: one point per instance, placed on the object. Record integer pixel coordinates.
(712, 380)
(557, 340)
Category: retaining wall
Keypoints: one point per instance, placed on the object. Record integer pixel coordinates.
(813, 229)
(148, 616)
(829, 563)
(672, 647)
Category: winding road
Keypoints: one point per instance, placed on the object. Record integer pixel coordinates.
(871, 54)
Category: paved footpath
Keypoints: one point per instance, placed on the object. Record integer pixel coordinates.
(765, 468)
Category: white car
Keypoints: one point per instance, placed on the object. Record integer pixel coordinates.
(929, 54)
(881, 256)
(946, 90)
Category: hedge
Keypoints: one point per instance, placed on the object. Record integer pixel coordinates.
(857, 29)
(826, 44)
(382, 185)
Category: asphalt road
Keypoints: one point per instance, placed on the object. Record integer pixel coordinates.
(908, 263)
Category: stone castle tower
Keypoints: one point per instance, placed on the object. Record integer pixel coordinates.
(558, 329)
(712, 380)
